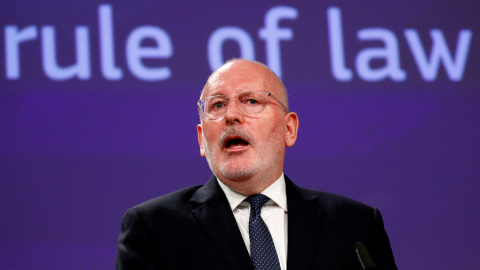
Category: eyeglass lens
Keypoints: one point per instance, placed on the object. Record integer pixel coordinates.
(249, 102)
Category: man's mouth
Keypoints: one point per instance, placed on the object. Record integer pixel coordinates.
(235, 143)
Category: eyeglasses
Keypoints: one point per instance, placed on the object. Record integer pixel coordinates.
(249, 102)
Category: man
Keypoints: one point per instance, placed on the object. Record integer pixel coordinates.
(245, 127)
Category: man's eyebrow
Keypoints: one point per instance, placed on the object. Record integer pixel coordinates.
(217, 93)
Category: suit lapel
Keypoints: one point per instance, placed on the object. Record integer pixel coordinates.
(315, 240)
(212, 211)
(304, 220)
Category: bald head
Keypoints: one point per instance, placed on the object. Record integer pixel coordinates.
(245, 69)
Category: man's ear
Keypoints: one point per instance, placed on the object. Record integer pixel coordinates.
(291, 121)
(200, 139)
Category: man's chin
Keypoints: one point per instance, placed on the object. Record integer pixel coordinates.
(238, 173)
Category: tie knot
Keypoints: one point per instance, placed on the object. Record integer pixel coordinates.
(257, 201)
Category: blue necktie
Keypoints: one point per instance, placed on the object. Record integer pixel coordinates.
(262, 249)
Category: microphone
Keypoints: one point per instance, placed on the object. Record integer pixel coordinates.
(364, 258)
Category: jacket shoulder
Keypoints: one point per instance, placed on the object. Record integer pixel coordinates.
(338, 203)
(168, 203)
(343, 210)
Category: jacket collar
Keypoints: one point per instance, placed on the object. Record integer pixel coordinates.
(304, 220)
(212, 211)
(315, 239)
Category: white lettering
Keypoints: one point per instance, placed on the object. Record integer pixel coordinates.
(216, 40)
(135, 52)
(13, 38)
(389, 53)
(107, 46)
(272, 35)
(439, 53)
(335, 37)
(49, 55)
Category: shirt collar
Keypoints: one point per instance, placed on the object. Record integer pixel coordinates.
(276, 192)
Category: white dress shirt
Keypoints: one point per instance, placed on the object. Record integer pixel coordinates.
(274, 214)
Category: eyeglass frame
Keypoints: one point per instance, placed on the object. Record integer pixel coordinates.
(202, 112)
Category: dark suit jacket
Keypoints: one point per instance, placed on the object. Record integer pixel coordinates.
(194, 228)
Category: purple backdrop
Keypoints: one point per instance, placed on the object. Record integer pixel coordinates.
(97, 114)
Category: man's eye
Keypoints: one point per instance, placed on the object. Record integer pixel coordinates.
(217, 105)
(252, 101)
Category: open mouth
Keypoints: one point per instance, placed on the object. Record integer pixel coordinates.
(235, 143)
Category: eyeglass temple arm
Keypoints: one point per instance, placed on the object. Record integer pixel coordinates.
(279, 102)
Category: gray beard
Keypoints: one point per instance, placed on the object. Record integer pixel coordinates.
(233, 174)
(239, 173)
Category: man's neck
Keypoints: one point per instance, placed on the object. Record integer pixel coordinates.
(249, 186)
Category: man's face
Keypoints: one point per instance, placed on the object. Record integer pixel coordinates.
(242, 149)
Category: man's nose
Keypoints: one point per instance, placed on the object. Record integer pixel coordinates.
(233, 112)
